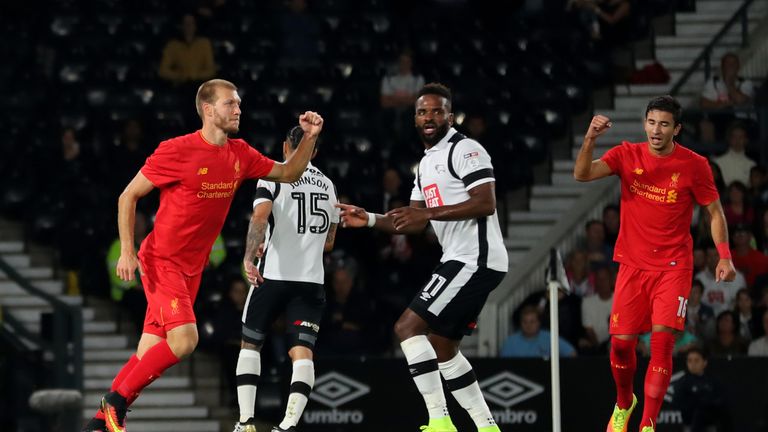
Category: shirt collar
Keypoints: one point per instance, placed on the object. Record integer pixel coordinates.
(443, 143)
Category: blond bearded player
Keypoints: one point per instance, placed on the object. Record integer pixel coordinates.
(197, 175)
(660, 183)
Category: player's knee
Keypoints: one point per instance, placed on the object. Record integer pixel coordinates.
(623, 347)
(183, 347)
(403, 329)
(250, 346)
(301, 352)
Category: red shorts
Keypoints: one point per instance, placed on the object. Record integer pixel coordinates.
(170, 297)
(646, 297)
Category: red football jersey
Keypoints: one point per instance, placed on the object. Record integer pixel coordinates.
(197, 181)
(657, 199)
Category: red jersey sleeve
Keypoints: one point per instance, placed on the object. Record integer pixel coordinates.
(703, 188)
(613, 158)
(256, 164)
(163, 167)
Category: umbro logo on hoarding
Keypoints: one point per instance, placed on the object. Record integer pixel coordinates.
(506, 389)
(334, 389)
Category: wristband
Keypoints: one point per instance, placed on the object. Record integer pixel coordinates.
(724, 250)
(371, 219)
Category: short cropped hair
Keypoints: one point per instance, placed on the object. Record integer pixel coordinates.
(206, 93)
(437, 89)
(667, 104)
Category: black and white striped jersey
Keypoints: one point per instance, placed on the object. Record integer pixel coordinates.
(302, 213)
(446, 172)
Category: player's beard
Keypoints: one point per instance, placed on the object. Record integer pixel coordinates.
(225, 124)
(441, 130)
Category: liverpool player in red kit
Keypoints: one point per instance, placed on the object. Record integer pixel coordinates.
(197, 175)
(661, 181)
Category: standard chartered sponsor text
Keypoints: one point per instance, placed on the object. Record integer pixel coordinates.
(217, 190)
(651, 192)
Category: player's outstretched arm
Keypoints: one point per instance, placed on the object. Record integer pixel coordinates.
(719, 226)
(587, 169)
(481, 203)
(254, 241)
(356, 217)
(126, 219)
(292, 169)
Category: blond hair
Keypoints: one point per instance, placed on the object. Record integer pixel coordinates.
(206, 93)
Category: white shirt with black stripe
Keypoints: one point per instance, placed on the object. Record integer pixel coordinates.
(302, 213)
(446, 173)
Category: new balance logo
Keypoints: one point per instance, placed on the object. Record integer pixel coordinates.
(202, 171)
(506, 389)
(334, 389)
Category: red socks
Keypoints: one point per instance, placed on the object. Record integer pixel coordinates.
(154, 362)
(623, 365)
(124, 371)
(658, 376)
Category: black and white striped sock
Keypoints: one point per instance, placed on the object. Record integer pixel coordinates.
(248, 372)
(461, 381)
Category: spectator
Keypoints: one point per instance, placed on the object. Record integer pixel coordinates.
(700, 318)
(398, 93)
(300, 34)
(607, 20)
(128, 154)
(531, 341)
(749, 327)
(128, 294)
(734, 163)
(727, 341)
(700, 397)
(599, 252)
(346, 315)
(188, 59)
(699, 259)
(568, 313)
(750, 262)
(684, 341)
(577, 270)
(758, 188)
(736, 208)
(726, 96)
(596, 312)
(392, 191)
(720, 296)
(611, 221)
(759, 347)
(717, 176)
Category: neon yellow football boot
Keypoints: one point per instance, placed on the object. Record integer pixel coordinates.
(620, 418)
(442, 424)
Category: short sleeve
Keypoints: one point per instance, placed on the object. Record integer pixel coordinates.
(256, 165)
(709, 91)
(163, 167)
(704, 190)
(265, 191)
(613, 158)
(386, 86)
(748, 88)
(334, 210)
(472, 163)
(416, 194)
